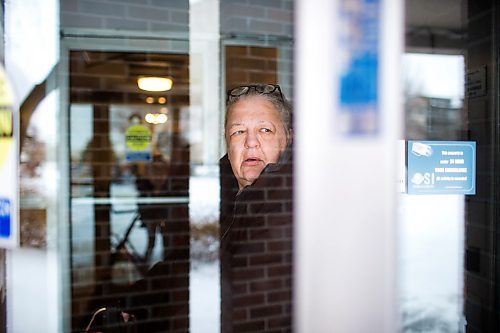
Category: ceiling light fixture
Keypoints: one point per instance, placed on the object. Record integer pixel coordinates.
(154, 83)
(156, 118)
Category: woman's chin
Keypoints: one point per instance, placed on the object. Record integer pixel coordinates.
(248, 179)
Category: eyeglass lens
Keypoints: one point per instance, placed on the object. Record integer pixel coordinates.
(239, 91)
(266, 89)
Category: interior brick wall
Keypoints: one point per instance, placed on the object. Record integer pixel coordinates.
(246, 64)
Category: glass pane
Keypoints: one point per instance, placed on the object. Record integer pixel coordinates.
(256, 220)
(145, 172)
(432, 229)
(129, 190)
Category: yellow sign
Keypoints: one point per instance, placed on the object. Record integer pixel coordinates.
(9, 222)
(6, 119)
(5, 146)
(138, 138)
(6, 123)
(6, 133)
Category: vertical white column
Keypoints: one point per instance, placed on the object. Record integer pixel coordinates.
(205, 135)
(346, 184)
(204, 44)
(35, 287)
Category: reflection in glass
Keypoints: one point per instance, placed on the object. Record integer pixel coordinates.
(431, 226)
(130, 193)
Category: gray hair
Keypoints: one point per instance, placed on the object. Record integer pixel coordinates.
(276, 98)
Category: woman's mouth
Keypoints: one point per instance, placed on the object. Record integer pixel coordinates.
(252, 161)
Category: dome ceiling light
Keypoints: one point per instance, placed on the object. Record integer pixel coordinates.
(154, 83)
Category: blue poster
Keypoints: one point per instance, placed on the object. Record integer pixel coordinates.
(138, 156)
(359, 77)
(5, 218)
(441, 167)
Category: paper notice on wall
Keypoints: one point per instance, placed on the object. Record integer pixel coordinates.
(441, 167)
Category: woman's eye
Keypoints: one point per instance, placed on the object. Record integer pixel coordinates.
(265, 130)
(236, 133)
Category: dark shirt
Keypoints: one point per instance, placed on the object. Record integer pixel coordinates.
(256, 249)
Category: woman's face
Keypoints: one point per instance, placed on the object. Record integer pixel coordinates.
(255, 137)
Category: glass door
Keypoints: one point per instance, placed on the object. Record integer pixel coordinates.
(130, 185)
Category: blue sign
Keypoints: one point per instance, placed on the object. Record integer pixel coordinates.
(5, 218)
(441, 167)
(359, 78)
(137, 156)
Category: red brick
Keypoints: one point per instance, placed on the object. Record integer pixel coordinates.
(180, 240)
(240, 262)
(177, 227)
(266, 259)
(279, 194)
(166, 282)
(240, 288)
(279, 220)
(266, 285)
(282, 270)
(279, 246)
(254, 326)
(248, 274)
(279, 296)
(266, 311)
(250, 248)
(265, 234)
(270, 207)
(240, 315)
(248, 300)
(168, 311)
(253, 221)
(233, 51)
(180, 267)
(264, 52)
(179, 211)
(282, 321)
(181, 323)
(267, 76)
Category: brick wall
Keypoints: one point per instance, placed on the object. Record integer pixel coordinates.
(265, 23)
(143, 15)
(261, 17)
(246, 64)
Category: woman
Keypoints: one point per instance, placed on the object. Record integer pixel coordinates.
(257, 129)
(256, 211)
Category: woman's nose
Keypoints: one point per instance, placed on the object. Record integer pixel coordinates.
(251, 140)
